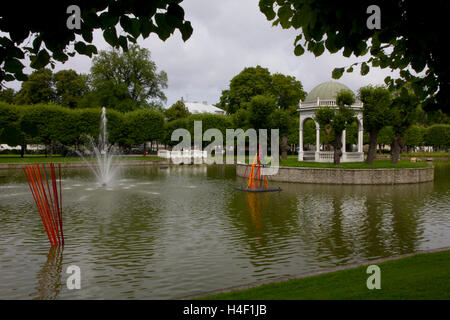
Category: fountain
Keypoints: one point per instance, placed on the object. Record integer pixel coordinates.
(103, 167)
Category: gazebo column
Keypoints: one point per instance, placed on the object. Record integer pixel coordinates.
(317, 142)
(343, 141)
(360, 140)
(344, 152)
(300, 145)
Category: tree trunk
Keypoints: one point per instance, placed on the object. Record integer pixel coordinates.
(23, 148)
(337, 144)
(396, 146)
(284, 147)
(371, 155)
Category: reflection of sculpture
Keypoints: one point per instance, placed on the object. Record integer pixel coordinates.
(49, 277)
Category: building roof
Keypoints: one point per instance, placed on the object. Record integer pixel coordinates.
(204, 107)
(326, 91)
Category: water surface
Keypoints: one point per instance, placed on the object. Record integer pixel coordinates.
(165, 233)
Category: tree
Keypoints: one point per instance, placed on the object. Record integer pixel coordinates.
(9, 128)
(70, 88)
(261, 108)
(7, 95)
(282, 120)
(405, 112)
(376, 105)
(176, 111)
(37, 89)
(386, 136)
(410, 38)
(110, 95)
(248, 83)
(438, 136)
(254, 81)
(337, 119)
(133, 70)
(414, 136)
(287, 90)
(143, 126)
(44, 25)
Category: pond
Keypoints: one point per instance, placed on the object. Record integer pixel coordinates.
(167, 233)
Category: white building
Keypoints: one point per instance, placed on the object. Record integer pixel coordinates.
(325, 95)
(203, 107)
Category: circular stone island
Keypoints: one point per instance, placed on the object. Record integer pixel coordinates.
(348, 176)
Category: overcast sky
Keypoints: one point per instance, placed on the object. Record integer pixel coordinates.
(229, 36)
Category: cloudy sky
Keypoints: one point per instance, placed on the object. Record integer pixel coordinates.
(229, 36)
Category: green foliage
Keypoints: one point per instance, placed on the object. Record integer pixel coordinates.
(66, 88)
(282, 120)
(7, 95)
(241, 119)
(376, 106)
(438, 136)
(176, 111)
(309, 132)
(129, 76)
(110, 95)
(9, 119)
(143, 126)
(51, 37)
(339, 118)
(414, 136)
(405, 109)
(261, 108)
(352, 133)
(70, 88)
(410, 38)
(287, 90)
(37, 89)
(386, 135)
(254, 81)
(171, 126)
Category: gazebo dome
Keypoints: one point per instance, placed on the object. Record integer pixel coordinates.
(326, 91)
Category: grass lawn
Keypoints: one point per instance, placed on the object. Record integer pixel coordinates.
(55, 158)
(377, 164)
(423, 276)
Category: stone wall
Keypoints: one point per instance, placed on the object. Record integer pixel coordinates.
(349, 176)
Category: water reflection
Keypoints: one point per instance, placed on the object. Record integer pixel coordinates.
(49, 277)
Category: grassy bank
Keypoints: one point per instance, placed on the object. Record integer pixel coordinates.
(426, 154)
(56, 158)
(423, 276)
(377, 164)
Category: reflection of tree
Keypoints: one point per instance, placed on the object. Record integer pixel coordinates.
(405, 216)
(374, 236)
(335, 236)
(49, 277)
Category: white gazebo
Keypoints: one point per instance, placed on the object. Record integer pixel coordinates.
(325, 95)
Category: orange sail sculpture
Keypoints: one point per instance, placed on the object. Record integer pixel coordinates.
(256, 180)
(48, 199)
